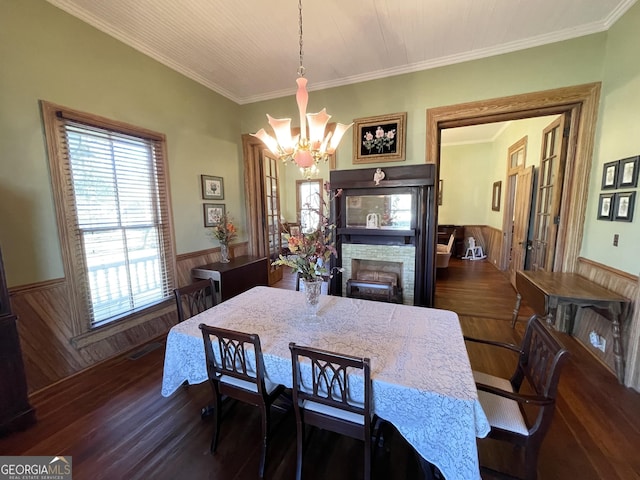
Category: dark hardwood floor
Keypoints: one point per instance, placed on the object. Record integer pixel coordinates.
(115, 424)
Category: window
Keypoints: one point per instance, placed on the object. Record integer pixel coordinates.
(309, 202)
(109, 181)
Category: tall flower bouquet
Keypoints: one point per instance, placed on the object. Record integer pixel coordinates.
(225, 230)
(311, 251)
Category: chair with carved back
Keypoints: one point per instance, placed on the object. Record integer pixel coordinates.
(195, 298)
(520, 418)
(324, 397)
(235, 368)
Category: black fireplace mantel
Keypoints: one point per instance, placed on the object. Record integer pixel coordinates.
(416, 180)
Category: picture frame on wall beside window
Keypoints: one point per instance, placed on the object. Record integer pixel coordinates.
(213, 212)
(623, 206)
(606, 205)
(212, 187)
(610, 175)
(628, 172)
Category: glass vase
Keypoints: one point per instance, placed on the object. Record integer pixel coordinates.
(312, 289)
(224, 253)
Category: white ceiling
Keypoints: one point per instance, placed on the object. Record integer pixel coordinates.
(247, 50)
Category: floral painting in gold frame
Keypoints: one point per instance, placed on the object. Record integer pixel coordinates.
(379, 139)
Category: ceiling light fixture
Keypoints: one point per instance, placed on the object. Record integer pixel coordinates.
(306, 149)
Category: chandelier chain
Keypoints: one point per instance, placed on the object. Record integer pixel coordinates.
(301, 53)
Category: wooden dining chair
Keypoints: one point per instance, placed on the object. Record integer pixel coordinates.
(516, 417)
(235, 368)
(324, 399)
(195, 298)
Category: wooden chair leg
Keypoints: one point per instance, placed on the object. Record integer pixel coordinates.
(367, 458)
(266, 422)
(217, 419)
(299, 447)
(531, 462)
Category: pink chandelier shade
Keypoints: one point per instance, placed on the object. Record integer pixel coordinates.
(313, 144)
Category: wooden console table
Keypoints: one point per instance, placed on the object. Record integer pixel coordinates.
(546, 291)
(235, 277)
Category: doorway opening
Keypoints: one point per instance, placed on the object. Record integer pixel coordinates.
(579, 104)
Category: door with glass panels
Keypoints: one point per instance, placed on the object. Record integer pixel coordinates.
(549, 195)
(273, 236)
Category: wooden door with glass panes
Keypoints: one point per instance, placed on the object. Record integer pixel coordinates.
(271, 217)
(550, 178)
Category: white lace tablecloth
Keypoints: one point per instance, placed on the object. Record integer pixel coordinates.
(422, 380)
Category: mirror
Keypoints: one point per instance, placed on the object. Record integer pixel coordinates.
(392, 212)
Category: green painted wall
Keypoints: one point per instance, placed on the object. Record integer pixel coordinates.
(561, 64)
(618, 137)
(466, 174)
(605, 57)
(469, 171)
(47, 54)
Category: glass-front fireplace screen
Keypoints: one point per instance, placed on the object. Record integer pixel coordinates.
(388, 211)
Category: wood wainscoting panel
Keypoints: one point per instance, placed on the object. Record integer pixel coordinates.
(624, 284)
(45, 329)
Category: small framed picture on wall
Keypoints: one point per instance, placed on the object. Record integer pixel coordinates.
(623, 209)
(213, 212)
(610, 175)
(495, 198)
(212, 187)
(605, 206)
(628, 173)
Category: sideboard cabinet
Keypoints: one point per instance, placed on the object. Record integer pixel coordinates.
(15, 411)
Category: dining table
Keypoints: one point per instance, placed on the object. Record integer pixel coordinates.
(420, 370)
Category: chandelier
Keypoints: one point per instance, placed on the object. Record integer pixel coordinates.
(308, 148)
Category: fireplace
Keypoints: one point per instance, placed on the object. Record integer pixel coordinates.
(399, 263)
(387, 231)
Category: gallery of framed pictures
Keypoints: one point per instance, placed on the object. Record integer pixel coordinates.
(379, 139)
(213, 212)
(619, 174)
(617, 206)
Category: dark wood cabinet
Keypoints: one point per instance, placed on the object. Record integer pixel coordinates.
(15, 411)
(235, 277)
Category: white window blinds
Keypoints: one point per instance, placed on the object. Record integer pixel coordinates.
(112, 185)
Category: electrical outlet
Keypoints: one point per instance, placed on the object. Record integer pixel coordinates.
(616, 237)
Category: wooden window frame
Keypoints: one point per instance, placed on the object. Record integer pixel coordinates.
(299, 201)
(83, 333)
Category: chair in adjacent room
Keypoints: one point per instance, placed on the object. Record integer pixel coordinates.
(195, 298)
(235, 367)
(332, 392)
(444, 251)
(517, 417)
